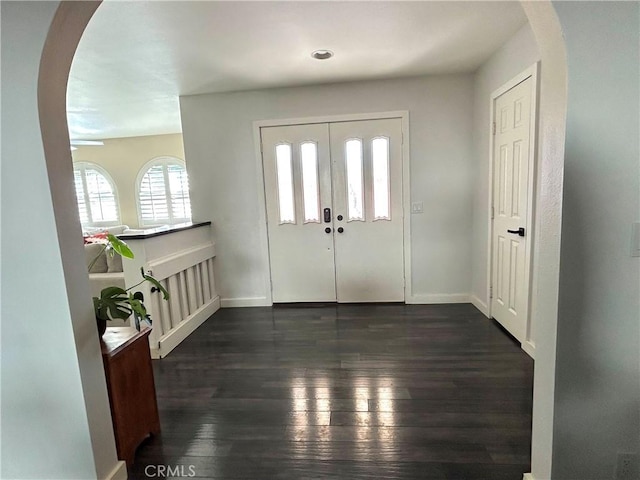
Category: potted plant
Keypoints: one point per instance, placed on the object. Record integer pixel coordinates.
(115, 302)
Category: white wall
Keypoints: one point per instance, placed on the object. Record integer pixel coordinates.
(44, 363)
(47, 418)
(520, 52)
(219, 146)
(597, 394)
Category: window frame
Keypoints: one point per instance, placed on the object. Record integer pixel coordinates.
(82, 166)
(164, 162)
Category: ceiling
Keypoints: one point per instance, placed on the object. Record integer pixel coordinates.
(136, 58)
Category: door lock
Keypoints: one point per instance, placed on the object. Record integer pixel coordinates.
(327, 230)
(340, 218)
(519, 231)
(340, 229)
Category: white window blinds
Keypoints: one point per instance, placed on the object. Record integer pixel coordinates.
(163, 193)
(96, 195)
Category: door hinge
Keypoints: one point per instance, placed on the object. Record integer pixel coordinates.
(492, 213)
(494, 128)
(491, 291)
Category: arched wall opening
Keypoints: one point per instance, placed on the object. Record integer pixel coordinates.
(66, 30)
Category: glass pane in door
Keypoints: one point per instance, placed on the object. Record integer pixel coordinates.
(285, 184)
(380, 164)
(355, 190)
(309, 161)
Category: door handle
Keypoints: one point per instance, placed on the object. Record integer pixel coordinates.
(327, 230)
(340, 229)
(519, 231)
(327, 215)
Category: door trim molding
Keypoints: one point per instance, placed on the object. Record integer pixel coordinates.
(532, 72)
(403, 115)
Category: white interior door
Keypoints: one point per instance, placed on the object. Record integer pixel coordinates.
(297, 177)
(367, 192)
(352, 173)
(511, 157)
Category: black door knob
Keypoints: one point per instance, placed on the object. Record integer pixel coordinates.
(327, 230)
(519, 231)
(340, 229)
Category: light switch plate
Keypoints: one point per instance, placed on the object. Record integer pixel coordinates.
(417, 207)
(635, 239)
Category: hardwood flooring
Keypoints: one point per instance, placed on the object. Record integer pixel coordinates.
(343, 392)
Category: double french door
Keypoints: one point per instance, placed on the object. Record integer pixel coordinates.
(334, 211)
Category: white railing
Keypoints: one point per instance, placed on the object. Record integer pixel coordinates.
(183, 263)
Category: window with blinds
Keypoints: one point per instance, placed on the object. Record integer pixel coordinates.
(96, 195)
(163, 192)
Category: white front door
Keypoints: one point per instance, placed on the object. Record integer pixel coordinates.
(511, 157)
(344, 243)
(297, 178)
(367, 193)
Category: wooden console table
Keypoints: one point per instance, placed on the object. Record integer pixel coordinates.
(132, 393)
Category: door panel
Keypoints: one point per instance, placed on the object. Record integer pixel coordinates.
(359, 177)
(509, 304)
(369, 253)
(300, 251)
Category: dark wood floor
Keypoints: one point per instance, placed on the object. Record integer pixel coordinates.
(344, 392)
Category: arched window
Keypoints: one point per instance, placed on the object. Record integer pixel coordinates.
(163, 192)
(96, 194)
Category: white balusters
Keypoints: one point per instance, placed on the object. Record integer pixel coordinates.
(212, 283)
(204, 268)
(198, 276)
(165, 315)
(191, 289)
(182, 289)
(174, 300)
(188, 277)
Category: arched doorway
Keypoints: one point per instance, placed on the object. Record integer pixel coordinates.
(62, 40)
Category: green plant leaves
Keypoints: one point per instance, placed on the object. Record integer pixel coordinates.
(139, 310)
(113, 303)
(156, 283)
(119, 246)
(137, 306)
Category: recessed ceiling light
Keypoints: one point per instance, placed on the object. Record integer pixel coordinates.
(322, 54)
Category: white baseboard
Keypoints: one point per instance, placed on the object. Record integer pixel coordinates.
(480, 305)
(530, 349)
(427, 299)
(528, 476)
(172, 339)
(245, 302)
(119, 472)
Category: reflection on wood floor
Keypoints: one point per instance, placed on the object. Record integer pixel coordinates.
(343, 392)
